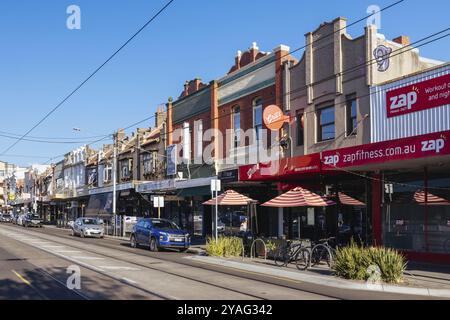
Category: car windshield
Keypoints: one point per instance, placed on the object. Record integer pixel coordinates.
(7, 215)
(164, 224)
(91, 221)
(34, 216)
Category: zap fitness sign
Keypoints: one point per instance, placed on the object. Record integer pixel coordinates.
(419, 96)
(429, 145)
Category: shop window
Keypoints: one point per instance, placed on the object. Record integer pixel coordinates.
(325, 124)
(351, 115)
(299, 117)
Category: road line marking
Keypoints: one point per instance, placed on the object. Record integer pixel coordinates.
(88, 258)
(21, 277)
(130, 281)
(52, 247)
(119, 268)
(67, 251)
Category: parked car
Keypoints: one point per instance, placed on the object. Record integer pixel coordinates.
(20, 219)
(88, 227)
(159, 233)
(32, 220)
(5, 217)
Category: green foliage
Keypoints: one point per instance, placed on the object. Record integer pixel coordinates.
(224, 247)
(354, 263)
(271, 246)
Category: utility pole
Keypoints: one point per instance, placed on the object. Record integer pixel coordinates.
(114, 173)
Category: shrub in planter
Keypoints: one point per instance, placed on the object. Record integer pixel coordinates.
(390, 262)
(354, 263)
(224, 247)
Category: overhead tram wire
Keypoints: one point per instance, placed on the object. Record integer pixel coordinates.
(154, 17)
(372, 61)
(88, 78)
(295, 50)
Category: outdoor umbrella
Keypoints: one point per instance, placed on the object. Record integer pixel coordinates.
(349, 201)
(299, 197)
(230, 198)
(432, 199)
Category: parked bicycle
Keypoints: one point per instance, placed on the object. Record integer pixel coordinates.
(322, 251)
(293, 253)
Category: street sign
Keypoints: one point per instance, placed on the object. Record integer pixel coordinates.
(389, 188)
(172, 160)
(216, 185)
(158, 202)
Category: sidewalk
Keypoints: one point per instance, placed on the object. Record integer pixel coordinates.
(422, 283)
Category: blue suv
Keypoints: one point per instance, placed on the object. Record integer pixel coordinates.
(159, 233)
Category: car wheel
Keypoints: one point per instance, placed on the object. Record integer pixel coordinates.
(133, 242)
(154, 245)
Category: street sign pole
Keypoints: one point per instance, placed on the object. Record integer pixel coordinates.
(216, 186)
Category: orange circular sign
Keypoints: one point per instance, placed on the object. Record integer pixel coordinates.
(274, 118)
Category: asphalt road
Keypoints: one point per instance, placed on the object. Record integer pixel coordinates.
(35, 261)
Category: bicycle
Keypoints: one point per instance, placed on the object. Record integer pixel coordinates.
(293, 253)
(322, 251)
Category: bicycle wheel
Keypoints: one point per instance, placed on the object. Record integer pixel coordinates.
(321, 253)
(302, 259)
(282, 257)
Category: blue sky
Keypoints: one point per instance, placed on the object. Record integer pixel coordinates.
(42, 61)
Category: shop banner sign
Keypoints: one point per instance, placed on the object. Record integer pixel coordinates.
(429, 145)
(419, 96)
(280, 168)
(172, 160)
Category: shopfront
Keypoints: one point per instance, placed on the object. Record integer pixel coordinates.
(410, 191)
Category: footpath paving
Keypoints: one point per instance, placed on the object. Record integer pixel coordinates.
(430, 281)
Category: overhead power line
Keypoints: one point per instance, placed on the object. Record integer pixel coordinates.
(88, 78)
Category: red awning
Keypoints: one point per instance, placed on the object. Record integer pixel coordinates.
(349, 201)
(299, 197)
(419, 197)
(229, 198)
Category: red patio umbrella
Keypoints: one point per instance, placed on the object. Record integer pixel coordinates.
(230, 198)
(419, 197)
(349, 201)
(299, 197)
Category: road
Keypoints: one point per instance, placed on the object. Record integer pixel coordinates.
(35, 262)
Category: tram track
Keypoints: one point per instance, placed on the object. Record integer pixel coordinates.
(40, 235)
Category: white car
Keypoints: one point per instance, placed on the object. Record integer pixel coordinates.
(20, 219)
(88, 227)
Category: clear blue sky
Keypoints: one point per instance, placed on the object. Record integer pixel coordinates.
(42, 61)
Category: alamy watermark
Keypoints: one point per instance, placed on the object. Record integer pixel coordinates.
(73, 21)
(375, 16)
(74, 280)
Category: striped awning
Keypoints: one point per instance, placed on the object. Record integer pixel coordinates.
(419, 197)
(299, 197)
(349, 201)
(230, 198)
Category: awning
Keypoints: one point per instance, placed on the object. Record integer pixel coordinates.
(230, 198)
(419, 197)
(100, 204)
(299, 197)
(349, 201)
